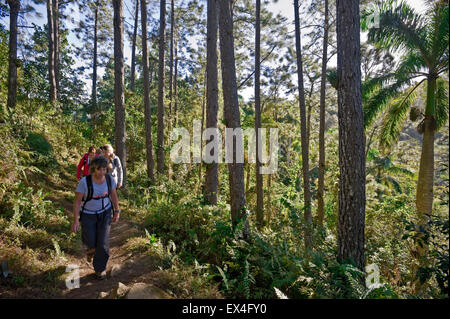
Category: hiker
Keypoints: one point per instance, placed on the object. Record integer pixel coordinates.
(114, 164)
(83, 165)
(100, 207)
(99, 151)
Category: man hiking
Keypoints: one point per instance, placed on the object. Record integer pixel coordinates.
(100, 207)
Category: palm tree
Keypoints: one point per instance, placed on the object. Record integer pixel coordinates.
(423, 40)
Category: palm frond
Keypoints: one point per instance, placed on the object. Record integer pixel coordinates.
(441, 115)
(395, 119)
(439, 31)
(377, 92)
(400, 27)
(410, 64)
(399, 170)
(394, 183)
(379, 98)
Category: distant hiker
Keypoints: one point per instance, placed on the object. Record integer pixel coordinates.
(83, 165)
(114, 164)
(100, 208)
(99, 151)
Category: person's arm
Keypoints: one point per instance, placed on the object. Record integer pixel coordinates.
(115, 202)
(120, 173)
(76, 211)
(79, 167)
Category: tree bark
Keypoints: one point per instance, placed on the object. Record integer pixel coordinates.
(94, 66)
(175, 87)
(212, 97)
(424, 192)
(14, 7)
(133, 49)
(352, 179)
(231, 113)
(119, 88)
(305, 151)
(172, 19)
(201, 134)
(321, 181)
(56, 45)
(259, 177)
(51, 52)
(148, 114)
(160, 137)
(424, 195)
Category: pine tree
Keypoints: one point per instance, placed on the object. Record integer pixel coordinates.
(231, 113)
(352, 179)
(119, 98)
(145, 74)
(14, 7)
(212, 97)
(160, 133)
(305, 151)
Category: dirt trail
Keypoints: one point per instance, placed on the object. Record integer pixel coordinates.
(122, 266)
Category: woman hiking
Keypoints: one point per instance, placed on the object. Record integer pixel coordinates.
(83, 165)
(100, 207)
(114, 165)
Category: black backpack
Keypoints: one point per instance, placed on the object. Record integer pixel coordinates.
(90, 187)
(115, 162)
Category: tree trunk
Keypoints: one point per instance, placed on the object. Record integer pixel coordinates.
(424, 195)
(148, 114)
(308, 115)
(160, 137)
(247, 182)
(119, 98)
(269, 199)
(172, 19)
(352, 179)
(212, 98)
(424, 192)
(133, 48)
(175, 76)
(94, 66)
(14, 7)
(231, 113)
(56, 45)
(201, 134)
(305, 151)
(259, 177)
(321, 181)
(51, 52)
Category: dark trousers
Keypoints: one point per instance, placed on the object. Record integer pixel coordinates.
(95, 234)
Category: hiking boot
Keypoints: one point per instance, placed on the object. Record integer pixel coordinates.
(90, 254)
(101, 275)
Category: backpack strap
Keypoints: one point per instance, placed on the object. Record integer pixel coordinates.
(90, 192)
(108, 182)
(116, 162)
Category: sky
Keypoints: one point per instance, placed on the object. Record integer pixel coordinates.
(284, 7)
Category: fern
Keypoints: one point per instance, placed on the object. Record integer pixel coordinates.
(280, 294)
(225, 280)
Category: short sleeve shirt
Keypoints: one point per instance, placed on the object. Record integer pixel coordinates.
(100, 201)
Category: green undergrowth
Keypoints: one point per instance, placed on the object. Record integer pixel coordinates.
(273, 263)
(35, 235)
